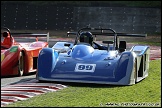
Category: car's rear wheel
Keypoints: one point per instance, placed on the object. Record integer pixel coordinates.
(21, 65)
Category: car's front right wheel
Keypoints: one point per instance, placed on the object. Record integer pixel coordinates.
(21, 65)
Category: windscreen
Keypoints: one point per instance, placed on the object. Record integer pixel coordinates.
(80, 51)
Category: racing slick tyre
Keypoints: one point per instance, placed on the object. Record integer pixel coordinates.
(21, 65)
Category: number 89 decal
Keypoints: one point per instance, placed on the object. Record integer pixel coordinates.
(85, 67)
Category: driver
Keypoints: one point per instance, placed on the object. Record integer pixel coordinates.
(8, 40)
(86, 37)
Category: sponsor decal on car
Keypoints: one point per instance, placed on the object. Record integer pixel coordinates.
(2, 57)
(14, 49)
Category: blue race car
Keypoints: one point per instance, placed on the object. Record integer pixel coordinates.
(86, 61)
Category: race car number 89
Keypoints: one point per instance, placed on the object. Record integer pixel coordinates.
(85, 67)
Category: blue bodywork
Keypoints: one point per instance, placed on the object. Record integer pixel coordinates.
(84, 64)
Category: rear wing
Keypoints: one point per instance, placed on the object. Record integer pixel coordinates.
(25, 34)
(104, 32)
(31, 35)
(101, 31)
(111, 34)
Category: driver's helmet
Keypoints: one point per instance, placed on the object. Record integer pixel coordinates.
(86, 37)
(6, 34)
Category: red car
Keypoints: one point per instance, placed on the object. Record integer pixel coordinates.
(20, 58)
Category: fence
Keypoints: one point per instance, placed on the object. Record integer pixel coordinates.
(122, 19)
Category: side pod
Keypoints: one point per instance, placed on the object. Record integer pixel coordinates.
(141, 62)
